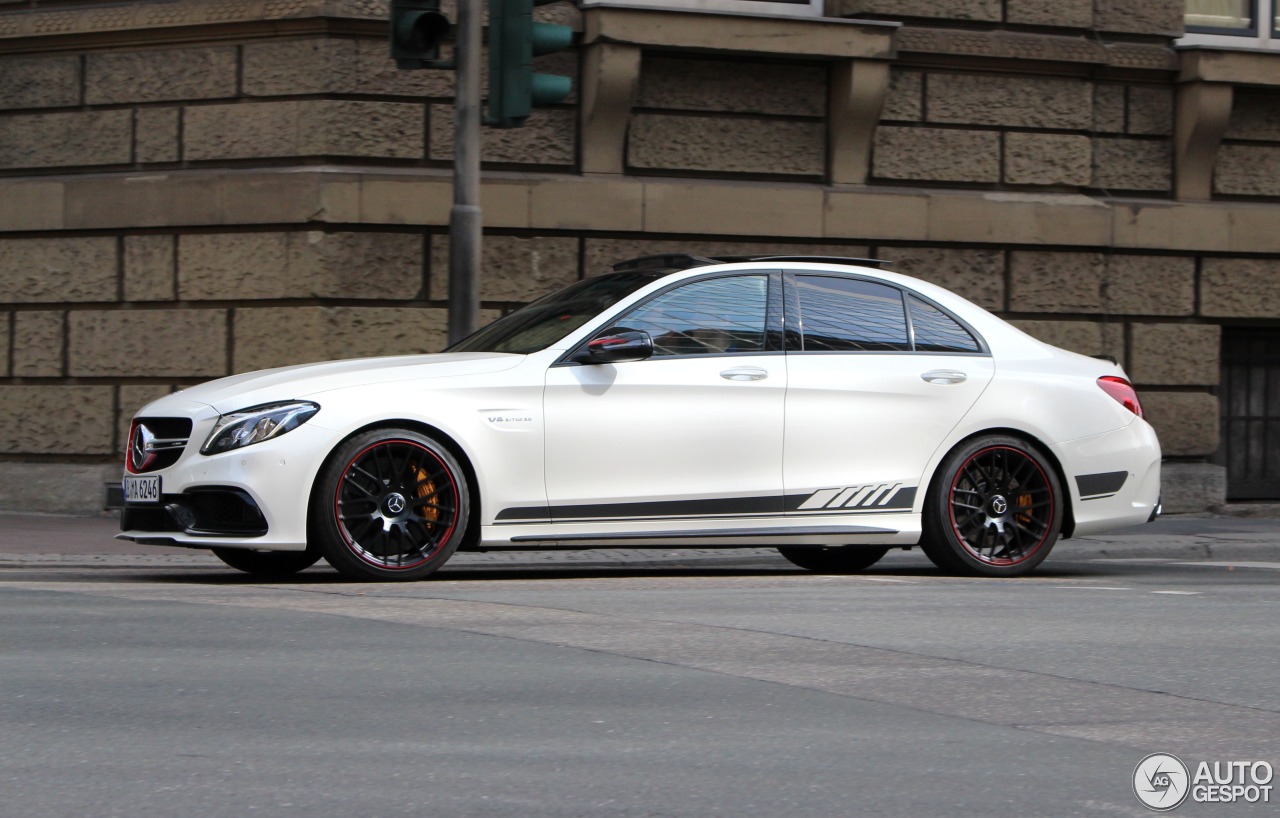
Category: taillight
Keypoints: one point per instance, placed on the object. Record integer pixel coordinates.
(1122, 391)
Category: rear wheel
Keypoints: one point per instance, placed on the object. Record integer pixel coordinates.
(391, 504)
(842, 559)
(267, 563)
(995, 509)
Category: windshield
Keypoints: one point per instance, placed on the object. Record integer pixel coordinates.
(538, 325)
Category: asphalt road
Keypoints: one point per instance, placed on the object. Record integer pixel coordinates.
(157, 683)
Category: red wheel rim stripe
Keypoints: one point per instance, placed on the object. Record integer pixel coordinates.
(342, 529)
(951, 509)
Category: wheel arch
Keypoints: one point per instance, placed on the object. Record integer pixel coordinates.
(473, 483)
(1068, 511)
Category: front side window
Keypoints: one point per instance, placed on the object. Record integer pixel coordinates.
(538, 325)
(849, 315)
(714, 316)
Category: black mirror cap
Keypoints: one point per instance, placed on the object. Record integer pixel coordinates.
(615, 347)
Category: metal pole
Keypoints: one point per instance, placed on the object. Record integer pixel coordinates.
(465, 217)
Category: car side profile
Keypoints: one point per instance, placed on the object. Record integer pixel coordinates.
(826, 407)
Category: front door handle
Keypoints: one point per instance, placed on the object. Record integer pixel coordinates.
(744, 373)
(943, 376)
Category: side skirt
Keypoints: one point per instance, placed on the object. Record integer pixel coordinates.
(882, 529)
(772, 533)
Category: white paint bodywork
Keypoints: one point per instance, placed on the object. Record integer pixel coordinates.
(846, 429)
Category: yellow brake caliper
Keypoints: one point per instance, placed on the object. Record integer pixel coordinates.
(1024, 502)
(427, 488)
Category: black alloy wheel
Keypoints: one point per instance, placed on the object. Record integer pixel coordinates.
(267, 563)
(390, 504)
(841, 559)
(995, 509)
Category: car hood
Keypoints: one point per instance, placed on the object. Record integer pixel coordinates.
(290, 382)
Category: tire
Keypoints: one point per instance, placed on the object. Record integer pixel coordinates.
(267, 563)
(389, 505)
(995, 509)
(843, 559)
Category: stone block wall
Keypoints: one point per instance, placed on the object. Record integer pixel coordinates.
(1025, 132)
(1002, 94)
(258, 186)
(283, 101)
(763, 118)
(1249, 159)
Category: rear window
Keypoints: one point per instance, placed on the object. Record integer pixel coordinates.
(850, 315)
(935, 331)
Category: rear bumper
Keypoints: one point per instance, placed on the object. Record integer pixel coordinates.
(1119, 473)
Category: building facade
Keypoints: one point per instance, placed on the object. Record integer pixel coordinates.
(196, 188)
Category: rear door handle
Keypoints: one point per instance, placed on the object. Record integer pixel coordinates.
(943, 376)
(744, 373)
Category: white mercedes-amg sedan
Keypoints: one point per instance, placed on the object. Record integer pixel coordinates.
(821, 406)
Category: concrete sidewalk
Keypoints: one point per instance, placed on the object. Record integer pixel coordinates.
(49, 539)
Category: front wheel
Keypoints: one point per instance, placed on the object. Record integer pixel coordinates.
(391, 504)
(843, 559)
(267, 563)
(995, 508)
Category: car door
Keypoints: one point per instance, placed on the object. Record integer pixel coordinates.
(693, 432)
(877, 378)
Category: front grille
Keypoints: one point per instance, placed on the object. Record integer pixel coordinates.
(156, 443)
(210, 511)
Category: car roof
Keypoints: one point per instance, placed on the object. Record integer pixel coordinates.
(679, 262)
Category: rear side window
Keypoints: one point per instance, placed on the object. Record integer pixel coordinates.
(710, 317)
(850, 315)
(935, 331)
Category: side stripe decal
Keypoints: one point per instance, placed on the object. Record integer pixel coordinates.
(874, 496)
(871, 498)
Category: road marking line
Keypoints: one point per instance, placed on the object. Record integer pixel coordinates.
(1178, 593)
(1273, 566)
(887, 579)
(1089, 588)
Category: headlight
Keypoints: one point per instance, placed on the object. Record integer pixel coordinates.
(256, 424)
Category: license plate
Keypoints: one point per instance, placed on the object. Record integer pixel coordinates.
(144, 489)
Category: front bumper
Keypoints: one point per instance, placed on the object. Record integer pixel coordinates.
(255, 497)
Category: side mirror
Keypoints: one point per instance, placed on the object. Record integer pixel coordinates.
(615, 347)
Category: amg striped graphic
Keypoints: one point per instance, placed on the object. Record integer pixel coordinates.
(876, 495)
(872, 499)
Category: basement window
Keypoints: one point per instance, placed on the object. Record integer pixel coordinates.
(790, 8)
(1233, 23)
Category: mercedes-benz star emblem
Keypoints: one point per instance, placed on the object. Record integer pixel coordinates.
(395, 503)
(999, 505)
(142, 454)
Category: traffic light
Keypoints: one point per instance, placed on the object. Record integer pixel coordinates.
(514, 40)
(417, 29)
